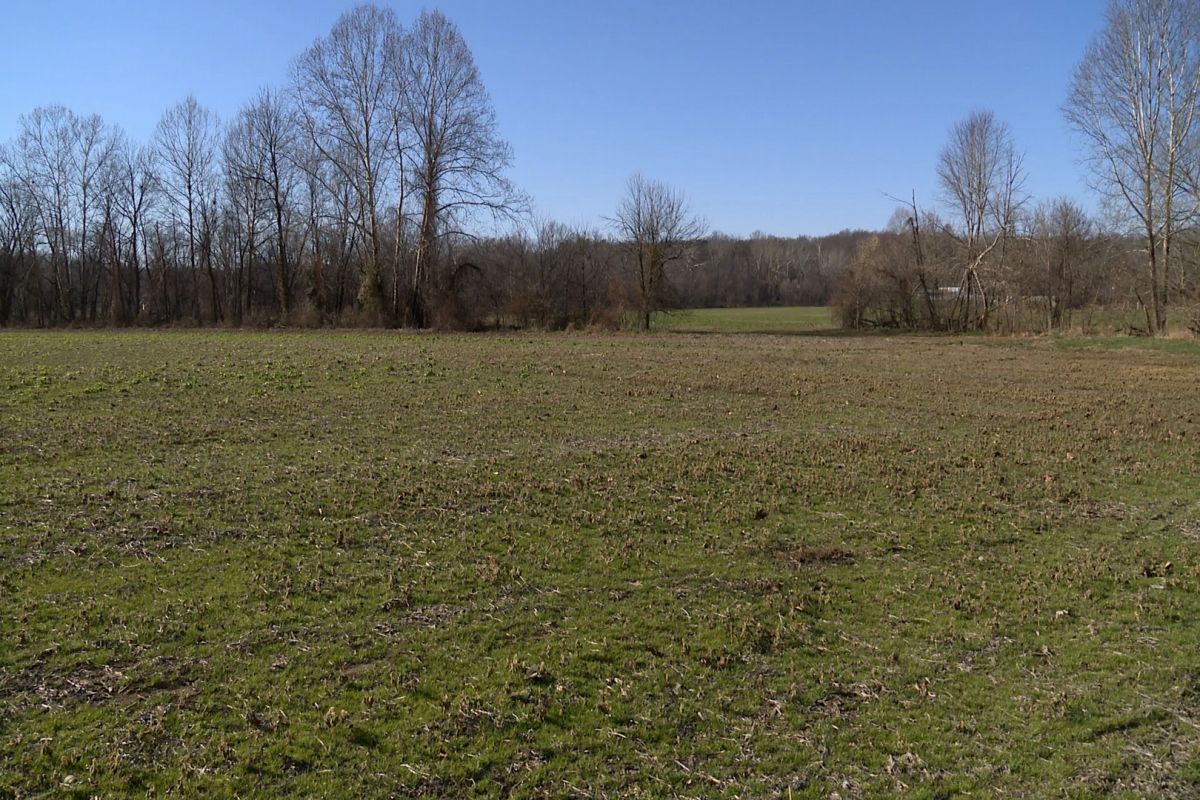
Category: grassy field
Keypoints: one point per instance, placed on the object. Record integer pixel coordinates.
(378, 565)
(1184, 345)
(782, 320)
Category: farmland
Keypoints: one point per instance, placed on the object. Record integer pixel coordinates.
(366, 564)
(778, 320)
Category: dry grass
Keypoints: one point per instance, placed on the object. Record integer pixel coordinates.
(377, 565)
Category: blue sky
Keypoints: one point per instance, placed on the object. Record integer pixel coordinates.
(786, 117)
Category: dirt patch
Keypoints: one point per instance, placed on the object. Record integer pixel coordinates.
(805, 555)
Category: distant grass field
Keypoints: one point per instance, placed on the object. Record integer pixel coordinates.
(377, 565)
(791, 319)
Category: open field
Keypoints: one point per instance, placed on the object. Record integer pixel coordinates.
(1184, 345)
(373, 565)
(783, 319)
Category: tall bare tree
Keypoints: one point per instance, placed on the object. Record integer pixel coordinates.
(43, 156)
(64, 162)
(18, 225)
(186, 140)
(981, 177)
(345, 84)
(459, 155)
(245, 207)
(655, 223)
(1134, 99)
(127, 200)
(134, 191)
(94, 162)
(262, 146)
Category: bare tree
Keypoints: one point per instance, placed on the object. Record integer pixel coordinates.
(18, 225)
(1063, 238)
(459, 156)
(134, 192)
(657, 226)
(589, 261)
(43, 159)
(909, 220)
(345, 84)
(246, 173)
(981, 177)
(64, 163)
(1134, 98)
(262, 146)
(94, 171)
(186, 140)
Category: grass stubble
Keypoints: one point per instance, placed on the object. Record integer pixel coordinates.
(380, 565)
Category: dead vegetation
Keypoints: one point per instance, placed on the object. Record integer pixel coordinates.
(602, 566)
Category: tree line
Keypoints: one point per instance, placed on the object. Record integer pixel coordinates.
(991, 259)
(356, 194)
(372, 189)
(338, 196)
(548, 275)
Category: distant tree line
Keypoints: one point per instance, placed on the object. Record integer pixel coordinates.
(372, 189)
(369, 190)
(549, 275)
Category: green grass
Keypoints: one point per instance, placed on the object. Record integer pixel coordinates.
(376, 565)
(782, 320)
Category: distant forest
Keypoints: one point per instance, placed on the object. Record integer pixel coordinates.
(372, 190)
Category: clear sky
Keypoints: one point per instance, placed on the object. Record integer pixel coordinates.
(787, 117)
